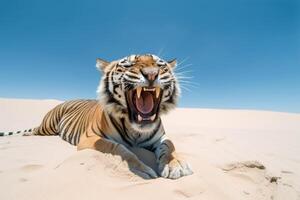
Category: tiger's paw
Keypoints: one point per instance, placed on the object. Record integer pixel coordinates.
(145, 171)
(141, 169)
(175, 169)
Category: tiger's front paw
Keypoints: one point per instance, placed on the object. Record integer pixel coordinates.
(144, 171)
(175, 169)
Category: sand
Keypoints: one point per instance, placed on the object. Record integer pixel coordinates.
(235, 154)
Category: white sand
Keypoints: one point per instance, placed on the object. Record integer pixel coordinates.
(217, 143)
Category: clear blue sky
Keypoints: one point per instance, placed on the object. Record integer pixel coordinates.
(244, 54)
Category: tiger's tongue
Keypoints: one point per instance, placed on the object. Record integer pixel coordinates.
(145, 103)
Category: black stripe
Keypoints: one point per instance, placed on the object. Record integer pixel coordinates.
(106, 86)
(77, 138)
(120, 131)
(10, 133)
(165, 77)
(77, 116)
(50, 126)
(64, 136)
(54, 121)
(152, 134)
(115, 85)
(132, 77)
(111, 99)
(101, 132)
(164, 153)
(43, 127)
(124, 128)
(164, 143)
(70, 137)
(129, 85)
(171, 99)
(133, 72)
(1, 134)
(95, 131)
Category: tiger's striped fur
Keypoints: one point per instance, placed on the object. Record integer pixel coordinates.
(108, 124)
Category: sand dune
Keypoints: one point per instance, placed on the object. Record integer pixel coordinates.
(235, 154)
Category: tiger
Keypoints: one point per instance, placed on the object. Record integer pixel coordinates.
(133, 93)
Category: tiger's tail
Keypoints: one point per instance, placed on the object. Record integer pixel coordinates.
(27, 132)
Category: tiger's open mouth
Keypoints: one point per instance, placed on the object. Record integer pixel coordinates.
(143, 104)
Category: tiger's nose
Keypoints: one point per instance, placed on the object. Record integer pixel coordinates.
(150, 74)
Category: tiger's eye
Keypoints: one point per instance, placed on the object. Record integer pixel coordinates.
(119, 70)
(165, 69)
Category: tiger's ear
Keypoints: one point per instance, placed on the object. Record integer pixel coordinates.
(101, 64)
(173, 63)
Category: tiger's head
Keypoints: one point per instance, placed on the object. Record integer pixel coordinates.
(140, 87)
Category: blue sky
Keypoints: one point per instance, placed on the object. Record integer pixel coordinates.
(241, 54)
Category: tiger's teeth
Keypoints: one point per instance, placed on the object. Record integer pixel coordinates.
(138, 91)
(157, 90)
(148, 89)
(140, 118)
(153, 117)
